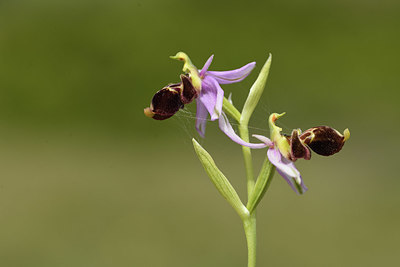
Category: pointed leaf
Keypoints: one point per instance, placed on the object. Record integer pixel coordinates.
(263, 181)
(219, 180)
(255, 92)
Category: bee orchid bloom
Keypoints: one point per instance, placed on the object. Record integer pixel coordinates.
(285, 150)
(202, 85)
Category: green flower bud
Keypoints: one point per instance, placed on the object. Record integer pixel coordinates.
(255, 93)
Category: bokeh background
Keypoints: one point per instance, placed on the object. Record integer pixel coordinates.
(87, 180)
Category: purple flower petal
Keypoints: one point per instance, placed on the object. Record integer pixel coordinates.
(201, 118)
(226, 127)
(232, 76)
(263, 139)
(206, 66)
(212, 97)
(287, 170)
(220, 98)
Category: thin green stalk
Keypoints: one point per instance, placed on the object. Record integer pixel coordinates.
(248, 162)
(251, 236)
(249, 224)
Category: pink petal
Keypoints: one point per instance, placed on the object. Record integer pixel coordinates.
(263, 139)
(206, 66)
(226, 127)
(232, 76)
(201, 118)
(212, 97)
(287, 170)
(220, 98)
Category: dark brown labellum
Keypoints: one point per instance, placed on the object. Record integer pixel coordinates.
(188, 92)
(166, 103)
(297, 148)
(323, 140)
(170, 99)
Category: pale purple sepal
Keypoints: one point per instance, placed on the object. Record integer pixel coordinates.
(263, 139)
(232, 76)
(226, 127)
(287, 170)
(201, 118)
(220, 98)
(206, 66)
(212, 97)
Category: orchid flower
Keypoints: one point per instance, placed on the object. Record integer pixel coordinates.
(285, 150)
(203, 85)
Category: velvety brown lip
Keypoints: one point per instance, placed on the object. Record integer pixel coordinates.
(323, 140)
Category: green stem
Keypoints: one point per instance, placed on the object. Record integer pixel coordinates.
(230, 109)
(248, 163)
(250, 222)
(249, 225)
(254, 191)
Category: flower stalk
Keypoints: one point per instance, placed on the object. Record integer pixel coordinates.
(253, 196)
(248, 161)
(250, 231)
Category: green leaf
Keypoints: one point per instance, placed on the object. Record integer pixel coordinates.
(255, 92)
(219, 180)
(263, 181)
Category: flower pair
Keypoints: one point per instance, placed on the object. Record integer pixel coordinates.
(203, 85)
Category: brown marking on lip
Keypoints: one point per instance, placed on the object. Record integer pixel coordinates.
(297, 148)
(175, 85)
(304, 135)
(325, 140)
(188, 93)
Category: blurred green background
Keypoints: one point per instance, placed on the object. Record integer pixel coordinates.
(87, 180)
